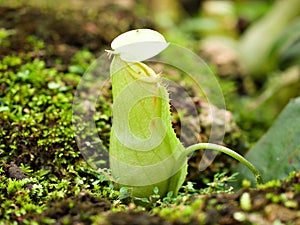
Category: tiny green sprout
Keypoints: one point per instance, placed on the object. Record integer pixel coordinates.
(245, 201)
(124, 193)
(144, 152)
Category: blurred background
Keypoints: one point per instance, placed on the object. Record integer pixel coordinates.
(253, 46)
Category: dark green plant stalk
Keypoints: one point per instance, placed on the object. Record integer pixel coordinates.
(233, 154)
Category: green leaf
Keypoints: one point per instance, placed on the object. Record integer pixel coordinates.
(287, 46)
(124, 193)
(53, 85)
(277, 153)
(257, 42)
(4, 108)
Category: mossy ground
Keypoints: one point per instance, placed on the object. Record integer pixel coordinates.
(43, 177)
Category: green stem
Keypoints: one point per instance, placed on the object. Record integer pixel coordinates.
(202, 146)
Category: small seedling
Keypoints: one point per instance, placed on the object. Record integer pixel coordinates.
(144, 150)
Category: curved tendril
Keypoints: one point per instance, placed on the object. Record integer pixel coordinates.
(202, 146)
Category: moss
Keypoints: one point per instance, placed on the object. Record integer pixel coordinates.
(36, 134)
